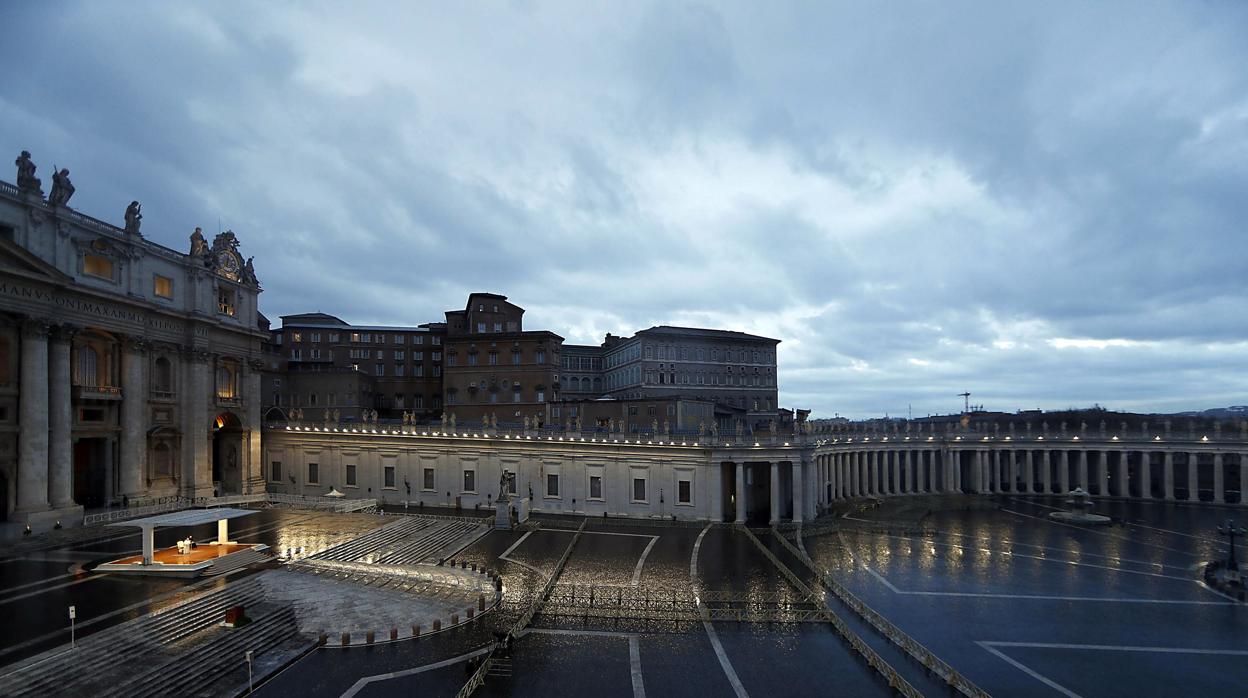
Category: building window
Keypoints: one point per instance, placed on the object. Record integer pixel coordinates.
(552, 485)
(541, 396)
(95, 265)
(398, 401)
(162, 377)
(428, 484)
(275, 471)
(451, 359)
(684, 492)
(333, 337)
(398, 354)
(515, 358)
(493, 397)
(515, 394)
(162, 460)
(380, 369)
(541, 356)
(389, 477)
(435, 341)
(470, 481)
(226, 302)
(398, 369)
(398, 339)
(437, 371)
(595, 487)
(351, 475)
(314, 474)
(227, 381)
(418, 340)
(493, 358)
(639, 489)
(472, 359)
(162, 286)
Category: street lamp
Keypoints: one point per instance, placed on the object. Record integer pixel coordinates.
(1230, 529)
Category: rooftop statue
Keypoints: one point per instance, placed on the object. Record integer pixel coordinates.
(62, 189)
(134, 217)
(199, 246)
(26, 179)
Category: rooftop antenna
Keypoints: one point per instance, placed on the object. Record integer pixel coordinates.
(966, 401)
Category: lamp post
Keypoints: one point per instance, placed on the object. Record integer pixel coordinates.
(1230, 529)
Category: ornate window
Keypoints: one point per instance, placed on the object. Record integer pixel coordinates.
(227, 380)
(162, 460)
(87, 367)
(162, 377)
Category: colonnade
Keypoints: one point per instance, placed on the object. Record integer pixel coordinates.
(1199, 471)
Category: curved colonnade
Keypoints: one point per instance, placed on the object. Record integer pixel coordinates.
(1195, 470)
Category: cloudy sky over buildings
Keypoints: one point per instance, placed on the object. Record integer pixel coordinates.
(1045, 204)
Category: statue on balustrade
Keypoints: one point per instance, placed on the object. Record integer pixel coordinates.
(199, 246)
(701, 428)
(714, 430)
(654, 426)
(134, 217)
(26, 179)
(337, 416)
(493, 420)
(62, 188)
(579, 423)
(452, 421)
(526, 422)
(443, 421)
(740, 429)
(667, 428)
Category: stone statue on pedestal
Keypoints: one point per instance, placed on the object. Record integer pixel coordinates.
(452, 421)
(62, 188)
(26, 179)
(526, 422)
(701, 429)
(715, 430)
(134, 217)
(654, 426)
(493, 420)
(199, 246)
(667, 428)
(249, 273)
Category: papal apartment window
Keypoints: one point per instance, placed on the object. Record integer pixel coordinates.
(428, 483)
(541, 356)
(398, 339)
(314, 474)
(275, 471)
(470, 481)
(515, 358)
(552, 485)
(398, 354)
(333, 337)
(435, 341)
(541, 396)
(380, 338)
(480, 328)
(355, 336)
(472, 359)
(351, 475)
(437, 371)
(398, 369)
(493, 358)
(451, 359)
(639, 489)
(162, 286)
(515, 394)
(498, 327)
(316, 337)
(389, 477)
(418, 340)
(366, 338)
(95, 265)
(595, 487)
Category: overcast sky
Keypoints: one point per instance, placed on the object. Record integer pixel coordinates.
(1045, 204)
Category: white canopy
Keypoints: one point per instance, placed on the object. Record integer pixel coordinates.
(186, 517)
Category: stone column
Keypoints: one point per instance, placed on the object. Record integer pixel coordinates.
(1046, 472)
(834, 475)
(933, 483)
(1063, 473)
(60, 420)
(1193, 477)
(873, 472)
(740, 492)
(1219, 489)
(1243, 478)
(957, 470)
(133, 404)
(799, 492)
(197, 469)
(1011, 484)
(911, 483)
(1102, 474)
(996, 471)
(1146, 475)
(1124, 478)
(1083, 471)
(1167, 475)
(32, 440)
(775, 492)
(1029, 473)
(898, 487)
(253, 468)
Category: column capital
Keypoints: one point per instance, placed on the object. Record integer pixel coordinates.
(198, 356)
(256, 365)
(134, 345)
(36, 328)
(64, 331)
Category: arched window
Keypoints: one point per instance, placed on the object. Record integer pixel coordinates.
(87, 366)
(162, 376)
(227, 380)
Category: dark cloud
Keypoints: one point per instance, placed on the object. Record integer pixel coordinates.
(1042, 204)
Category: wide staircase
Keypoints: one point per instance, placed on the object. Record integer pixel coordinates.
(238, 560)
(169, 652)
(409, 540)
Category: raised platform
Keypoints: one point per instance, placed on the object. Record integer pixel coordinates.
(168, 562)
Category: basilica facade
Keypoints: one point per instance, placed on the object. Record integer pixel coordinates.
(129, 371)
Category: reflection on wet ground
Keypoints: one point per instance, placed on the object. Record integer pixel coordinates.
(1021, 605)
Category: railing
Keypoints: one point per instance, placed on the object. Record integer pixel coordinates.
(105, 517)
(97, 392)
(886, 628)
(478, 677)
(895, 680)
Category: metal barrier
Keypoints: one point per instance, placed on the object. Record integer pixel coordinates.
(895, 680)
(341, 506)
(669, 604)
(478, 677)
(886, 628)
(104, 517)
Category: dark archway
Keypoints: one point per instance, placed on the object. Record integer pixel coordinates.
(227, 454)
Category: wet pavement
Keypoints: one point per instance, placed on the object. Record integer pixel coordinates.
(1021, 605)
